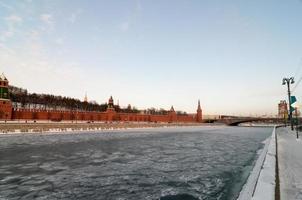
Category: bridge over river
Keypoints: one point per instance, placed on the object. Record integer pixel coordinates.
(235, 121)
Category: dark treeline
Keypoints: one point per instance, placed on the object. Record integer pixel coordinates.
(48, 101)
(22, 98)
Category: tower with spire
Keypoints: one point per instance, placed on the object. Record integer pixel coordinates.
(199, 113)
(6, 107)
(172, 115)
(111, 113)
(110, 103)
(86, 98)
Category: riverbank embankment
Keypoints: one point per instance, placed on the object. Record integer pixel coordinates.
(280, 176)
(261, 183)
(44, 127)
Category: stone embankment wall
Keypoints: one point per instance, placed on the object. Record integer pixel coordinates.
(44, 127)
(261, 183)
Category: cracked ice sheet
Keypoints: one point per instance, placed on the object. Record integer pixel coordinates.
(290, 164)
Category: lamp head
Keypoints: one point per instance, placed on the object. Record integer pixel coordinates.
(292, 81)
(284, 81)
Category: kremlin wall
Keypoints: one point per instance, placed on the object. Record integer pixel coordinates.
(7, 112)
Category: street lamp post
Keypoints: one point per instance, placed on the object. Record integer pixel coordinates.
(297, 122)
(288, 81)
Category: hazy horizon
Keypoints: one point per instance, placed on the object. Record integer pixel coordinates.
(231, 55)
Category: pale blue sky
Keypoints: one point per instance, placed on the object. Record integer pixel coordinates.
(232, 55)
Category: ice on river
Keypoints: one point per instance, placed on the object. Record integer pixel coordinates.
(164, 163)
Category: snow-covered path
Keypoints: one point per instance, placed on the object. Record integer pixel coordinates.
(290, 164)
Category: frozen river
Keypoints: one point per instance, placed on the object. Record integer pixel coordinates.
(172, 163)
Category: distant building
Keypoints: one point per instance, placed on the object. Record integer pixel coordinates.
(282, 110)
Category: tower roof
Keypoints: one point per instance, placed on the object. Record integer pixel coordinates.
(110, 101)
(3, 78)
(199, 107)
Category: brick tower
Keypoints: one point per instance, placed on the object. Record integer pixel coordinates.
(6, 107)
(199, 113)
(110, 110)
(172, 115)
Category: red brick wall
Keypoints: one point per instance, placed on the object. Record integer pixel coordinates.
(5, 110)
(27, 114)
(186, 118)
